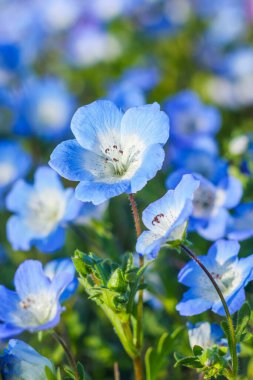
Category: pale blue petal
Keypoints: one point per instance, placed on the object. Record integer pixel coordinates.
(68, 159)
(18, 198)
(99, 192)
(152, 162)
(45, 178)
(18, 234)
(52, 242)
(149, 243)
(223, 250)
(234, 302)
(148, 123)
(8, 331)
(233, 189)
(192, 304)
(30, 279)
(60, 282)
(101, 117)
(9, 303)
(216, 227)
(160, 206)
(73, 206)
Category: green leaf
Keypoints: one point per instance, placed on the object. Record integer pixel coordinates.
(188, 361)
(197, 350)
(81, 372)
(49, 374)
(156, 358)
(243, 318)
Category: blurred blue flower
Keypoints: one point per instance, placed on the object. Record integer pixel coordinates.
(90, 44)
(89, 212)
(113, 153)
(21, 361)
(41, 212)
(130, 90)
(240, 225)
(210, 166)
(232, 84)
(45, 109)
(167, 217)
(34, 305)
(191, 120)
(231, 274)
(211, 202)
(205, 334)
(14, 163)
(58, 266)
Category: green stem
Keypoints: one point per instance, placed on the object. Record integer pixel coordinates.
(228, 315)
(68, 353)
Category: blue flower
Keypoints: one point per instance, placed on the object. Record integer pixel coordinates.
(131, 89)
(205, 334)
(113, 153)
(167, 217)
(21, 361)
(45, 109)
(199, 161)
(41, 212)
(34, 305)
(240, 226)
(14, 164)
(210, 216)
(231, 274)
(58, 266)
(191, 121)
(89, 212)
(101, 44)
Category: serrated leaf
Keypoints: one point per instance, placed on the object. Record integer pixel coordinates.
(243, 318)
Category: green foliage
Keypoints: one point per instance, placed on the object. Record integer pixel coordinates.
(156, 358)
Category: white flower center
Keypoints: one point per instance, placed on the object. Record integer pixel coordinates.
(46, 209)
(52, 113)
(35, 310)
(7, 173)
(203, 201)
(227, 278)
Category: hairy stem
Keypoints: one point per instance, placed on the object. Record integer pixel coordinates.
(138, 373)
(228, 315)
(68, 353)
(137, 361)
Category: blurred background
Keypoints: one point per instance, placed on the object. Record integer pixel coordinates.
(195, 58)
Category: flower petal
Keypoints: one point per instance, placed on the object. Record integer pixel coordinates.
(68, 159)
(99, 192)
(148, 122)
(94, 122)
(30, 279)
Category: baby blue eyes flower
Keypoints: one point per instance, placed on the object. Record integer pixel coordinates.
(46, 108)
(34, 305)
(113, 153)
(231, 274)
(42, 212)
(167, 217)
(21, 361)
